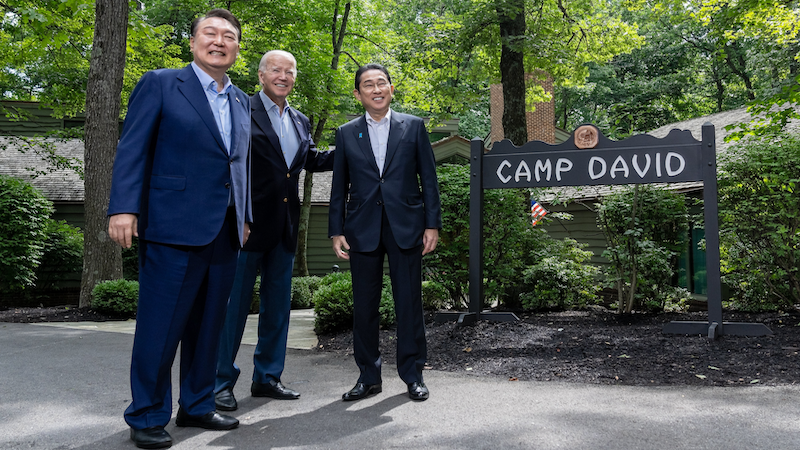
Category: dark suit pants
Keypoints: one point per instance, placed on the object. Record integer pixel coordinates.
(405, 269)
(273, 318)
(183, 294)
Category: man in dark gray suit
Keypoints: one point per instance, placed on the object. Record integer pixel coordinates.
(384, 202)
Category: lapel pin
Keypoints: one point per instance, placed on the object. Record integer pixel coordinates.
(237, 100)
(359, 135)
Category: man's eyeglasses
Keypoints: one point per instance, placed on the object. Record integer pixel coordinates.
(370, 86)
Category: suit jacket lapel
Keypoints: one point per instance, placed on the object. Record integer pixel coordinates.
(191, 89)
(362, 137)
(261, 118)
(397, 127)
(303, 138)
(239, 117)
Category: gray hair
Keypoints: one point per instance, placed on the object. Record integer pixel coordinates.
(262, 66)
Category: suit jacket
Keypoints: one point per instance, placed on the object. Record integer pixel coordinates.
(276, 203)
(408, 190)
(172, 168)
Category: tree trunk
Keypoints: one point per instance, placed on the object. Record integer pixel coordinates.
(734, 56)
(302, 229)
(337, 37)
(631, 242)
(511, 15)
(102, 259)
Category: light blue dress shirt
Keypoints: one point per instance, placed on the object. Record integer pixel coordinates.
(283, 127)
(219, 102)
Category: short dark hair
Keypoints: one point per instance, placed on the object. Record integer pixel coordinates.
(370, 66)
(222, 14)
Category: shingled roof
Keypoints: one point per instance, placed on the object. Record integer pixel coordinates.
(23, 160)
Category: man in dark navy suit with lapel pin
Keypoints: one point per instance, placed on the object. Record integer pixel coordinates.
(384, 202)
(281, 148)
(181, 184)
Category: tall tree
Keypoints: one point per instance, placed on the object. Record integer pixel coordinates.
(452, 49)
(751, 49)
(102, 258)
(338, 32)
(511, 21)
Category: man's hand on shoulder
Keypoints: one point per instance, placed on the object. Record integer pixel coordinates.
(122, 228)
(429, 240)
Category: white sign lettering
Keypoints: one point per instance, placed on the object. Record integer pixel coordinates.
(645, 166)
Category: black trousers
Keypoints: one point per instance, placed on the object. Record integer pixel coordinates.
(405, 270)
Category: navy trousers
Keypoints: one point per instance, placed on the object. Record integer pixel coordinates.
(183, 294)
(273, 319)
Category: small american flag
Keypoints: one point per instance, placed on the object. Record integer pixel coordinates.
(537, 212)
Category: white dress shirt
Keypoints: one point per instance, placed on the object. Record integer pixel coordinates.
(379, 137)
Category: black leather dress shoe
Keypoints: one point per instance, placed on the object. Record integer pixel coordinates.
(417, 391)
(273, 389)
(210, 421)
(361, 390)
(225, 400)
(153, 437)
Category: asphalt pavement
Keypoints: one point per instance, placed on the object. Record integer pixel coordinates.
(65, 386)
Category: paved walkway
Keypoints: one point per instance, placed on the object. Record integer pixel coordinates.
(301, 328)
(65, 387)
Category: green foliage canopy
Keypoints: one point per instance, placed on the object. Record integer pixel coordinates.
(645, 227)
(760, 211)
(24, 212)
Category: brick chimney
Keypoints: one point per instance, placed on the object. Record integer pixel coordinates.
(540, 121)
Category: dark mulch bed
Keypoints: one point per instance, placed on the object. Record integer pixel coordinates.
(69, 313)
(603, 348)
(575, 346)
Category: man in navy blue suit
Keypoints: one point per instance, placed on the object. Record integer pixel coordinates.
(181, 184)
(281, 148)
(384, 202)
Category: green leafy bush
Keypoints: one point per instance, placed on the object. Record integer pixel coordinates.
(759, 205)
(434, 296)
(333, 303)
(24, 212)
(561, 279)
(130, 261)
(255, 302)
(386, 307)
(645, 227)
(509, 238)
(116, 297)
(63, 255)
(303, 290)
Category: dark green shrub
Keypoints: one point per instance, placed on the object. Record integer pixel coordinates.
(508, 238)
(645, 228)
(759, 206)
(333, 303)
(63, 255)
(130, 261)
(386, 307)
(561, 279)
(116, 297)
(434, 296)
(302, 291)
(255, 303)
(23, 231)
